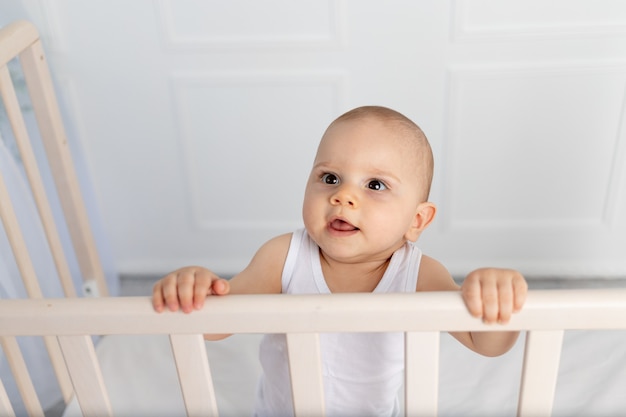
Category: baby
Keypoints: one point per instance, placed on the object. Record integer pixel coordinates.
(366, 200)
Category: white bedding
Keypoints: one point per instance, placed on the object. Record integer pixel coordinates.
(141, 377)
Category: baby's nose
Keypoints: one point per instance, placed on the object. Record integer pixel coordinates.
(344, 196)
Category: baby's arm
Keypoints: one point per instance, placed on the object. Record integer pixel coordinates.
(491, 294)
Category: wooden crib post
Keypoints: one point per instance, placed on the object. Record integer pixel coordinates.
(541, 370)
(421, 373)
(84, 368)
(306, 374)
(194, 374)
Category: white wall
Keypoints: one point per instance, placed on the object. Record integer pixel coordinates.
(199, 120)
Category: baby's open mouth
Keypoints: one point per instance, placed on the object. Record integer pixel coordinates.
(342, 225)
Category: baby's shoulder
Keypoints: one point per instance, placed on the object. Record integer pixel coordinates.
(272, 254)
(277, 245)
(434, 276)
(263, 273)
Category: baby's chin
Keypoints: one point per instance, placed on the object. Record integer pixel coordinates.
(350, 251)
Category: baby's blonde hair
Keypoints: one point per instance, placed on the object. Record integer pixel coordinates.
(423, 151)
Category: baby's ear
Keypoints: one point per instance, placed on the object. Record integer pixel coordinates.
(424, 215)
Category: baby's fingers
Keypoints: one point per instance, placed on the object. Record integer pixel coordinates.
(482, 299)
(512, 292)
(158, 303)
(165, 293)
(505, 301)
(472, 296)
(492, 302)
(186, 288)
(494, 294)
(208, 285)
(189, 283)
(520, 289)
(220, 287)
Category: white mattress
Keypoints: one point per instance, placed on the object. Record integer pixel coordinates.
(141, 378)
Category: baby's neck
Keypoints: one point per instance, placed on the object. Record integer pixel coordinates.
(352, 277)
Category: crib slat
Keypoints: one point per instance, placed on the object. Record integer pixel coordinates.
(194, 375)
(56, 360)
(84, 368)
(306, 374)
(541, 367)
(17, 243)
(5, 404)
(421, 373)
(22, 377)
(22, 140)
(29, 278)
(43, 99)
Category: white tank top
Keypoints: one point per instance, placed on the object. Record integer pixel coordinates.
(362, 372)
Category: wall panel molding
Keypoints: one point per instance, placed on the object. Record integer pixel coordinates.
(564, 117)
(493, 20)
(287, 25)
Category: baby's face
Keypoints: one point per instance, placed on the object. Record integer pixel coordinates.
(363, 192)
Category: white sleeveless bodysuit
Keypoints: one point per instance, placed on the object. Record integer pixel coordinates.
(362, 372)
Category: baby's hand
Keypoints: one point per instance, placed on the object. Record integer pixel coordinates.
(187, 288)
(494, 294)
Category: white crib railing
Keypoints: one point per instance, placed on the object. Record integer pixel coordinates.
(420, 316)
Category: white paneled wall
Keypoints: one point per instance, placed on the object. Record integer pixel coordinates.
(200, 119)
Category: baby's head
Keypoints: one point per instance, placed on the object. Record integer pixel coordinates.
(404, 133)
(370, 180)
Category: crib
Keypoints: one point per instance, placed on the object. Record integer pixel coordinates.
(570, 360)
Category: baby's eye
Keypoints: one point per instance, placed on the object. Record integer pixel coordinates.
(330, 179)
(376, 185)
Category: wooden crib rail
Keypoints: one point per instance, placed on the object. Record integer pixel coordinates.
(420, 316)
(281, 313)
